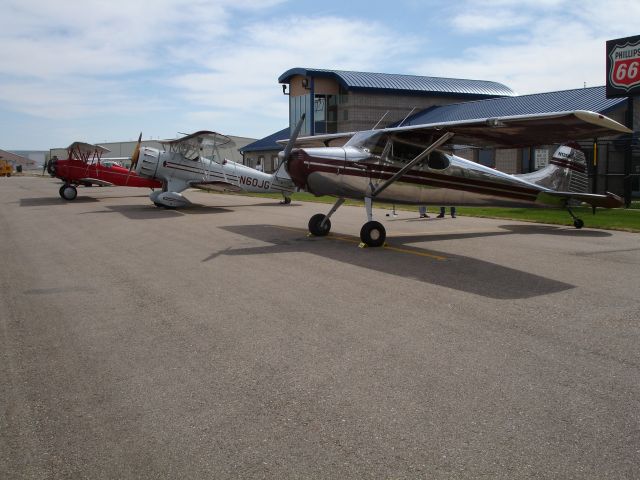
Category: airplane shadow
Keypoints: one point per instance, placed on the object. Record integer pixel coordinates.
(150, 212)
(48, 201)
(457, 272)
(527, 229)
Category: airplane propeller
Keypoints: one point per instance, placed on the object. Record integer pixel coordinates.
(292, 140)
(134, 157)
(136, 154)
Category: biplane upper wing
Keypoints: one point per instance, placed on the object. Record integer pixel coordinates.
(87, 147)
(85, 152)
(191, 146)
(516, 131)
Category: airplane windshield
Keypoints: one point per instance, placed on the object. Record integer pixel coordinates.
(371, 141)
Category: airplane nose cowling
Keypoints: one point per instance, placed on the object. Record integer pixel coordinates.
(298, 167)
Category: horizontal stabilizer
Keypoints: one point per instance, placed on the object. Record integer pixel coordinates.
(215, 186)
(609, 200)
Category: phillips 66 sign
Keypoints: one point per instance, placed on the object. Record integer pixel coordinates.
(623, 67)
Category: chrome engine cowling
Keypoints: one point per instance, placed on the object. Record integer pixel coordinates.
(148, 162)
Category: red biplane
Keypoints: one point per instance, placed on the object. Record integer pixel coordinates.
(84, 166)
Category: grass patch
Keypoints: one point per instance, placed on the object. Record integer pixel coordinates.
(626, 219)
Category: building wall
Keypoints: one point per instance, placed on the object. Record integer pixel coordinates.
(362, 111)
(509, 160)
(268, 158)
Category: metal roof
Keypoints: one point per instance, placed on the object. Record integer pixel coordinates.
(390, 82)
(593, 99)
(267, 143)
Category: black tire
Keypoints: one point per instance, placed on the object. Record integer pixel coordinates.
(373, 234)
(68, 192)
(578, 223)
(60, 191)
(286, 201)
(315, 225)
(159, 205)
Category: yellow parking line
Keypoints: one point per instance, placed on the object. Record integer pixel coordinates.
(357, 241)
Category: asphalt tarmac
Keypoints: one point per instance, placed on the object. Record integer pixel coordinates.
(221, 341)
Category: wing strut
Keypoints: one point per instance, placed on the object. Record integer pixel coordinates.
(444, 138)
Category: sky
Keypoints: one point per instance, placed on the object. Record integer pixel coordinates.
(104, 71)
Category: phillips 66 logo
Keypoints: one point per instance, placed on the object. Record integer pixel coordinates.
(624, 61)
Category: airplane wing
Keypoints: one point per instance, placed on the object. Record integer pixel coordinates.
(215, 186)
(193, 145)
(87, 147)
(95, 181)
(515, 131)
(328, 140)
(85, 151)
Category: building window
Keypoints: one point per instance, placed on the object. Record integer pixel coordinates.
(486, 157)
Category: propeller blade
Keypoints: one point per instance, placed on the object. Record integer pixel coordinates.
(292, 140)
(136, 154)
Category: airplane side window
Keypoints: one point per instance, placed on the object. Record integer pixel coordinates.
(404, 152)
(438, 161)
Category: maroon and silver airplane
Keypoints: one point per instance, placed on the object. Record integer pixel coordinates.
(415, 165)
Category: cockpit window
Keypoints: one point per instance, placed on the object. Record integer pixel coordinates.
(371, 141)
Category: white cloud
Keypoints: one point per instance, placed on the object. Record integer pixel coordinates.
(556, 45)
(65, 60)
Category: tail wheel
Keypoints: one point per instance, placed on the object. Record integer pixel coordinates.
(578, 223)
(317, 228)
(68, 192)
(373, 234)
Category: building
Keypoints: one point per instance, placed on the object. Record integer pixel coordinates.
(21, 160)
(264, 151)
(346, 101)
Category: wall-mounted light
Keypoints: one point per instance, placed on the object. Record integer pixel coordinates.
(284, 89)
(305, 83)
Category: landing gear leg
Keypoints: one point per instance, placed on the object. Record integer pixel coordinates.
(577, 222)
(319, 224)
(286, 200)
(372, 233)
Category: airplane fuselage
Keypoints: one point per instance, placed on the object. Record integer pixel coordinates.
(178, 173)
(446, 180)
(78, 172)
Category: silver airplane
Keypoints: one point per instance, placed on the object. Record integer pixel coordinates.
(416, 165)
(194, 161)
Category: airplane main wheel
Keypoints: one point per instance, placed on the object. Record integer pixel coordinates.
(69, 192)
(315, 225)
(373, 234)
(578, 223)
(286, 201)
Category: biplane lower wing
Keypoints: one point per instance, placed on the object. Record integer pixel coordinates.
(215, 186)
(96, 181)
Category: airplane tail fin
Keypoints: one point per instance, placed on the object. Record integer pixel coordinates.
(566, 172)
(567, 181)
